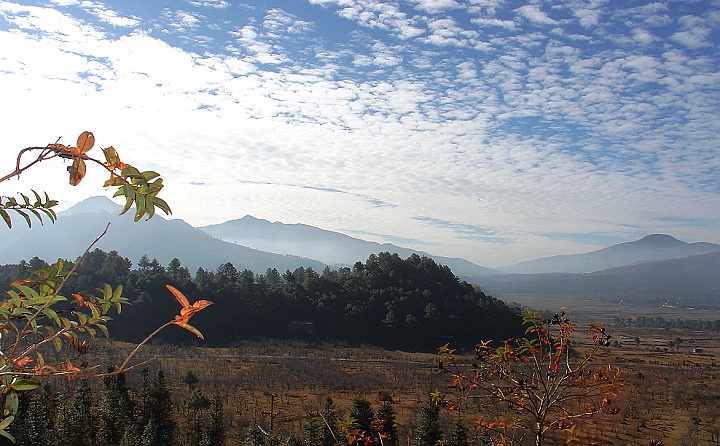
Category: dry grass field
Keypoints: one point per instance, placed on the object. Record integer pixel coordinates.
(672, 390)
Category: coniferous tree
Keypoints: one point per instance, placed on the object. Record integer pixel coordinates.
(313, 430)
(159, 429)
(386, 424)
(459, 434)
(36, 418)
(116, 411)
(149, 435)
(75, 423)
(361, 415)
(214, 434)
(330, 423)
(428, 431)
(255, 437)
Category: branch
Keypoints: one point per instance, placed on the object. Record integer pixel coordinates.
(56, 292)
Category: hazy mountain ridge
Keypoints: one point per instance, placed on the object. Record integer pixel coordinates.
(648, 249)
(333, 248)
(690, 281)
(628, 270)
(157, 238)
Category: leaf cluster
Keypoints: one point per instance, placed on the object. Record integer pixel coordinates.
(539, 378)
(139, 188)
(25, 208)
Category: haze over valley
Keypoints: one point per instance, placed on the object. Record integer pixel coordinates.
(655, 269)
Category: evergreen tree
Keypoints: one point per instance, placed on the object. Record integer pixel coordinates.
(330, 423)
(36, 418)
(255, 437)
(361, 415)
(116, 411)
(459, 434)
(313, 430)
(386, 424)
(75, 423)
(159, 429)
(214, 434)
(428, 431)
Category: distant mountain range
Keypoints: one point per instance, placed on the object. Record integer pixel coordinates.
(648, 249)
(157, 238)
(686, 282)
(332, 248)
(657, 263)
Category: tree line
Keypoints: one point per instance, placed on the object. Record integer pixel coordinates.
(660, 322)
(412, 303)
(116, 414)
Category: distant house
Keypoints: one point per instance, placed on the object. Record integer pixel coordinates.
(696, 350)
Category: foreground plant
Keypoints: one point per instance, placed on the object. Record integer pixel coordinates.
(138, 188)
(36, 314)
(538, 378)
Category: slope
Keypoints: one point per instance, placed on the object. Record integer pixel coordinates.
(648, 249)
(157, 238)
(330, 247)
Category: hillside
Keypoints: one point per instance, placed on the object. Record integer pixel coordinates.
(648, 249)
(690, 281)
(330, 247)
(157, 238)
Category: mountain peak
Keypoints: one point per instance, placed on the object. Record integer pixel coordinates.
(97, 204)
(660, 240)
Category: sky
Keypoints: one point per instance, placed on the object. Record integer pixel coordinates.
(496, 131)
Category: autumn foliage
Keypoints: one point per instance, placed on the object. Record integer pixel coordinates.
(35, 314)
(544, 380)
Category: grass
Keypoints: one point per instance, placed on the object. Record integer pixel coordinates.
(671, 394)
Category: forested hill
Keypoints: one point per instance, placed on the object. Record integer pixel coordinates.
(412, 304)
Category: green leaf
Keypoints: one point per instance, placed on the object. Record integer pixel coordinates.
(6, 422)
(25, 216)
(117, 294)
(52, 315)
(7, 434)
(140, 207)
(129, 194)
(149, 175)
(159, 202)
(130, 171)
(20, 385)
(6, 217)
(11, 402)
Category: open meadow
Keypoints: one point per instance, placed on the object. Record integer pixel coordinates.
(671, 392)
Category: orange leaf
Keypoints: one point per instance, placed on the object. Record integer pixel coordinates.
(201, 304)
(179, 296)
(85, 142)
(187, 310)
(113, 159)
(77, 171)
(79, 299)
(22, 362)
(189, 328)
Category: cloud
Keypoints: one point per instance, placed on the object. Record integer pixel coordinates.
(535, 15)
(486, 132)
(694, 34)
(216, 4)
(278, 22)
(435, 6)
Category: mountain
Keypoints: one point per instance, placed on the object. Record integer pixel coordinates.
(330, 247)
(157, 238)
(689, 282)
(648, 249)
